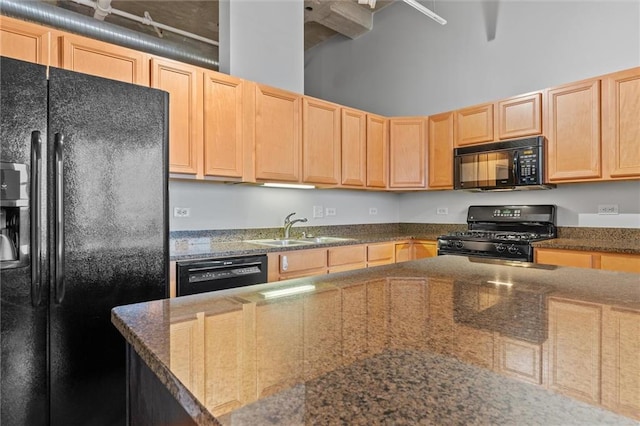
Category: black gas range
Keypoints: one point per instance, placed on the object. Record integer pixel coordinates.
(501, 232)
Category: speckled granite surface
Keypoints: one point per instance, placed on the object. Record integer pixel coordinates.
(410, 343)
(220, 243)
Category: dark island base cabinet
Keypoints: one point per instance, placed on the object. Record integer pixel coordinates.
(149, 403)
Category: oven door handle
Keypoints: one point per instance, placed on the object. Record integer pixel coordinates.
(35, 229)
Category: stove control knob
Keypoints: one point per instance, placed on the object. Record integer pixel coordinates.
(451, 243)
(500, 247)
(459, 244)
(513, 249)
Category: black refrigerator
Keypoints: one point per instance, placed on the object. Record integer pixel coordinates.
(84, 228)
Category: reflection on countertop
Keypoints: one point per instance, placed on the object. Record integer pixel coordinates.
(440, 340)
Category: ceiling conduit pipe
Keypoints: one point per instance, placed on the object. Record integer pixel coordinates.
(76, 23)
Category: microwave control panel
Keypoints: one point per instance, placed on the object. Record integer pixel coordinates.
(528, 166)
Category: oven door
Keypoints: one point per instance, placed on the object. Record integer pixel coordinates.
(485, 170)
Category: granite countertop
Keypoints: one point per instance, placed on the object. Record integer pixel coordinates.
(186, 245)
(410, 343)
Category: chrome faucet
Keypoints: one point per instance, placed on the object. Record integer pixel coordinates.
(288, 223)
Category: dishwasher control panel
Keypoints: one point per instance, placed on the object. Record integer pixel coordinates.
(200, 276)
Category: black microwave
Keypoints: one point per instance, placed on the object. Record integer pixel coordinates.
(501, 166)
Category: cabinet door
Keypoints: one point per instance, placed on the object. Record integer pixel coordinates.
(621, 126)
(621, 361)
(573, 114)
(278, 134)
(347, 258)
(303, 263)
(423, 249)
(354, 147)
(25, 41)
(377, 151)
(407, 152)
(279, 346)
(381, 254)
(106, 60)
(474, 125)
(322, 333)
(223, 125)
(185, 122)
(320, 142)
(620, 262)
(520, 116)
(404, 252)
(441, 151)
(574, 349)
(579, 259)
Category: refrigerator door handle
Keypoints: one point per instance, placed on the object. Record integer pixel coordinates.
(36, 160)
(59, 226)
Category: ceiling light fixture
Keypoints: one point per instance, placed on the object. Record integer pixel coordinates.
(439, 19)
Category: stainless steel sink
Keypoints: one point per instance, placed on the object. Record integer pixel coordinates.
(274, 242)
(291, 242)
(326, 240)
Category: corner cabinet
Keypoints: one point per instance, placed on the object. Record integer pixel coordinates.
(407, 152)
(278, 134)
(321, 135)
(441, 151)
(573, 131)
(354, 148)
(620, 123)
(377, 152)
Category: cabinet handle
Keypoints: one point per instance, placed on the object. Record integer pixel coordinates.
(59, 225)
(36, 160)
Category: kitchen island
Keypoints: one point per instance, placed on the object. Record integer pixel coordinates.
(441, 340)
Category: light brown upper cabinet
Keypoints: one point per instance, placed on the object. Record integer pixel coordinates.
(441, 151)
(354, 147)
(377, 151)
(224, 121)
(278, 134)
(520, 116)
(474, 125)
(26, 42)
(573, 132)
(621, 123)
(320, 142)
(183, 82)
(102, 59)
(407, 152)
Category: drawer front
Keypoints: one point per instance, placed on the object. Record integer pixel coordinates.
(304, 260)
(381, 252)
(347, 255)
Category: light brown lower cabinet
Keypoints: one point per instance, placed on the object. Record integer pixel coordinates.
(347, 258)
(589, 259)
(381, 254)
(415, 249)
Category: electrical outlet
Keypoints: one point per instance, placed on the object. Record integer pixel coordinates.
(330, 211)
(373, 211)
(607, 209)
(317, 212)
(181, 211)
(442, 210)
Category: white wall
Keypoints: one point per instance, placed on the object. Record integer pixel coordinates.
(410, 65)
(227, 206)
(263, 41)
(577, 204)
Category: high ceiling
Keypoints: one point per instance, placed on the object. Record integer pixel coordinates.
(322, 18)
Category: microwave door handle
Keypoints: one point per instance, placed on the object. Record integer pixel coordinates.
(516, 168)
(35, 228)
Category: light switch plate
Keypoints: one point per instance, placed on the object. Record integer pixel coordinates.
(318, 212)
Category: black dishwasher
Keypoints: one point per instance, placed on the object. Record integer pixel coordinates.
(200, 276)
